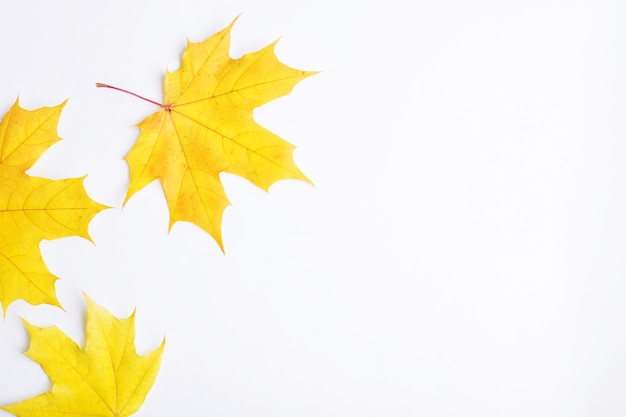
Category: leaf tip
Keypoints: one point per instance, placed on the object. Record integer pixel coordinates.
(272, 45)
(88, 299)
(25, 322)
(235, 19)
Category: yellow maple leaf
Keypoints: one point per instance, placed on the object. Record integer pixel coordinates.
(105, 379)
(206, 127)
(33, 208)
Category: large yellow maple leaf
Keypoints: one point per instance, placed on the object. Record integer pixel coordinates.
(205, 126)
(33, 208)
(105, 379)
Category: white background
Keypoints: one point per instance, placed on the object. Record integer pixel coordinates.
(462, 250)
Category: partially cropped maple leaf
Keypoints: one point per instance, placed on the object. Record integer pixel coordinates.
(205, 126)
(33, 208)
(105, 379)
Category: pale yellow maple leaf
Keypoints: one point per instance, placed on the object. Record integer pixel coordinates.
(33, 208)
(104, 379)
(205, 126)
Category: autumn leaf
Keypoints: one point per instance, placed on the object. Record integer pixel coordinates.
(205, 126)
(107, 378)
(33, 208)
